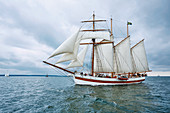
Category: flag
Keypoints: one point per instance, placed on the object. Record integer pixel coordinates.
(129, 23)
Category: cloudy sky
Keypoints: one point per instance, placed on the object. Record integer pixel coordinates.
(30, 30)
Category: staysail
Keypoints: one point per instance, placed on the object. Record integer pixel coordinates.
(78, 62)
(67, 46)
(70, 56)
(139, 57)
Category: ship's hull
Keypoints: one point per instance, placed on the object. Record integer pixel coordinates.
(90, 80)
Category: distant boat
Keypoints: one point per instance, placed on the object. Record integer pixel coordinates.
(110, 64)
(47, 75)
(70, 75)
(7, 75)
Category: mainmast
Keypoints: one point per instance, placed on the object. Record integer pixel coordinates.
(93, 40)
(111, 38)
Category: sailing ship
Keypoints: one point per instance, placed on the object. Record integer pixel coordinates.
(6, 74)
(110, 64)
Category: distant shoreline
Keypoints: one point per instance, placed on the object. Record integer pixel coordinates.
(12, 75)
(34, 75)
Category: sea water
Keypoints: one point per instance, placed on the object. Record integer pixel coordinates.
(60, 95)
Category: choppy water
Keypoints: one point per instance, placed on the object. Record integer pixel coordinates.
(59, 94)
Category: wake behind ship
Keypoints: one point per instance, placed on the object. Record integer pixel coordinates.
(109, 64)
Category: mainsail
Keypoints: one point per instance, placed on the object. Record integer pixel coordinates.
(103, 59)
(123, 59)
(139, 57)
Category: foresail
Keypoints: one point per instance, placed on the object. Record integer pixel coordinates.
(78, 62)
(139, 57)
(103, 58)
(66, 57)
(70, 56)
(67, 46)
(123, 59)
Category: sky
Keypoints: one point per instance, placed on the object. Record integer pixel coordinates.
(30, 30)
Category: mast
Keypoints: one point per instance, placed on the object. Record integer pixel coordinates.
(111, 27)
(93, 21)
(128, 23)
(93, 40)
(111, 32)
(127, 30)
(111, 38)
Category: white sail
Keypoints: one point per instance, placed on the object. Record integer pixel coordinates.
(139, 57)
(70, 56)
(80, 59)
(67, 46)
(94, 35)
(123, 58)
(66, 57)
(103, 58)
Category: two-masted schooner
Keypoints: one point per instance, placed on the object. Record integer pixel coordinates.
(110, 64)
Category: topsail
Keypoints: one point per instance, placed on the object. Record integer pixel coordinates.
(78, 62)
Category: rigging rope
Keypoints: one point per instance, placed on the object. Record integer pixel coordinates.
(63, 72)
(58, 71)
